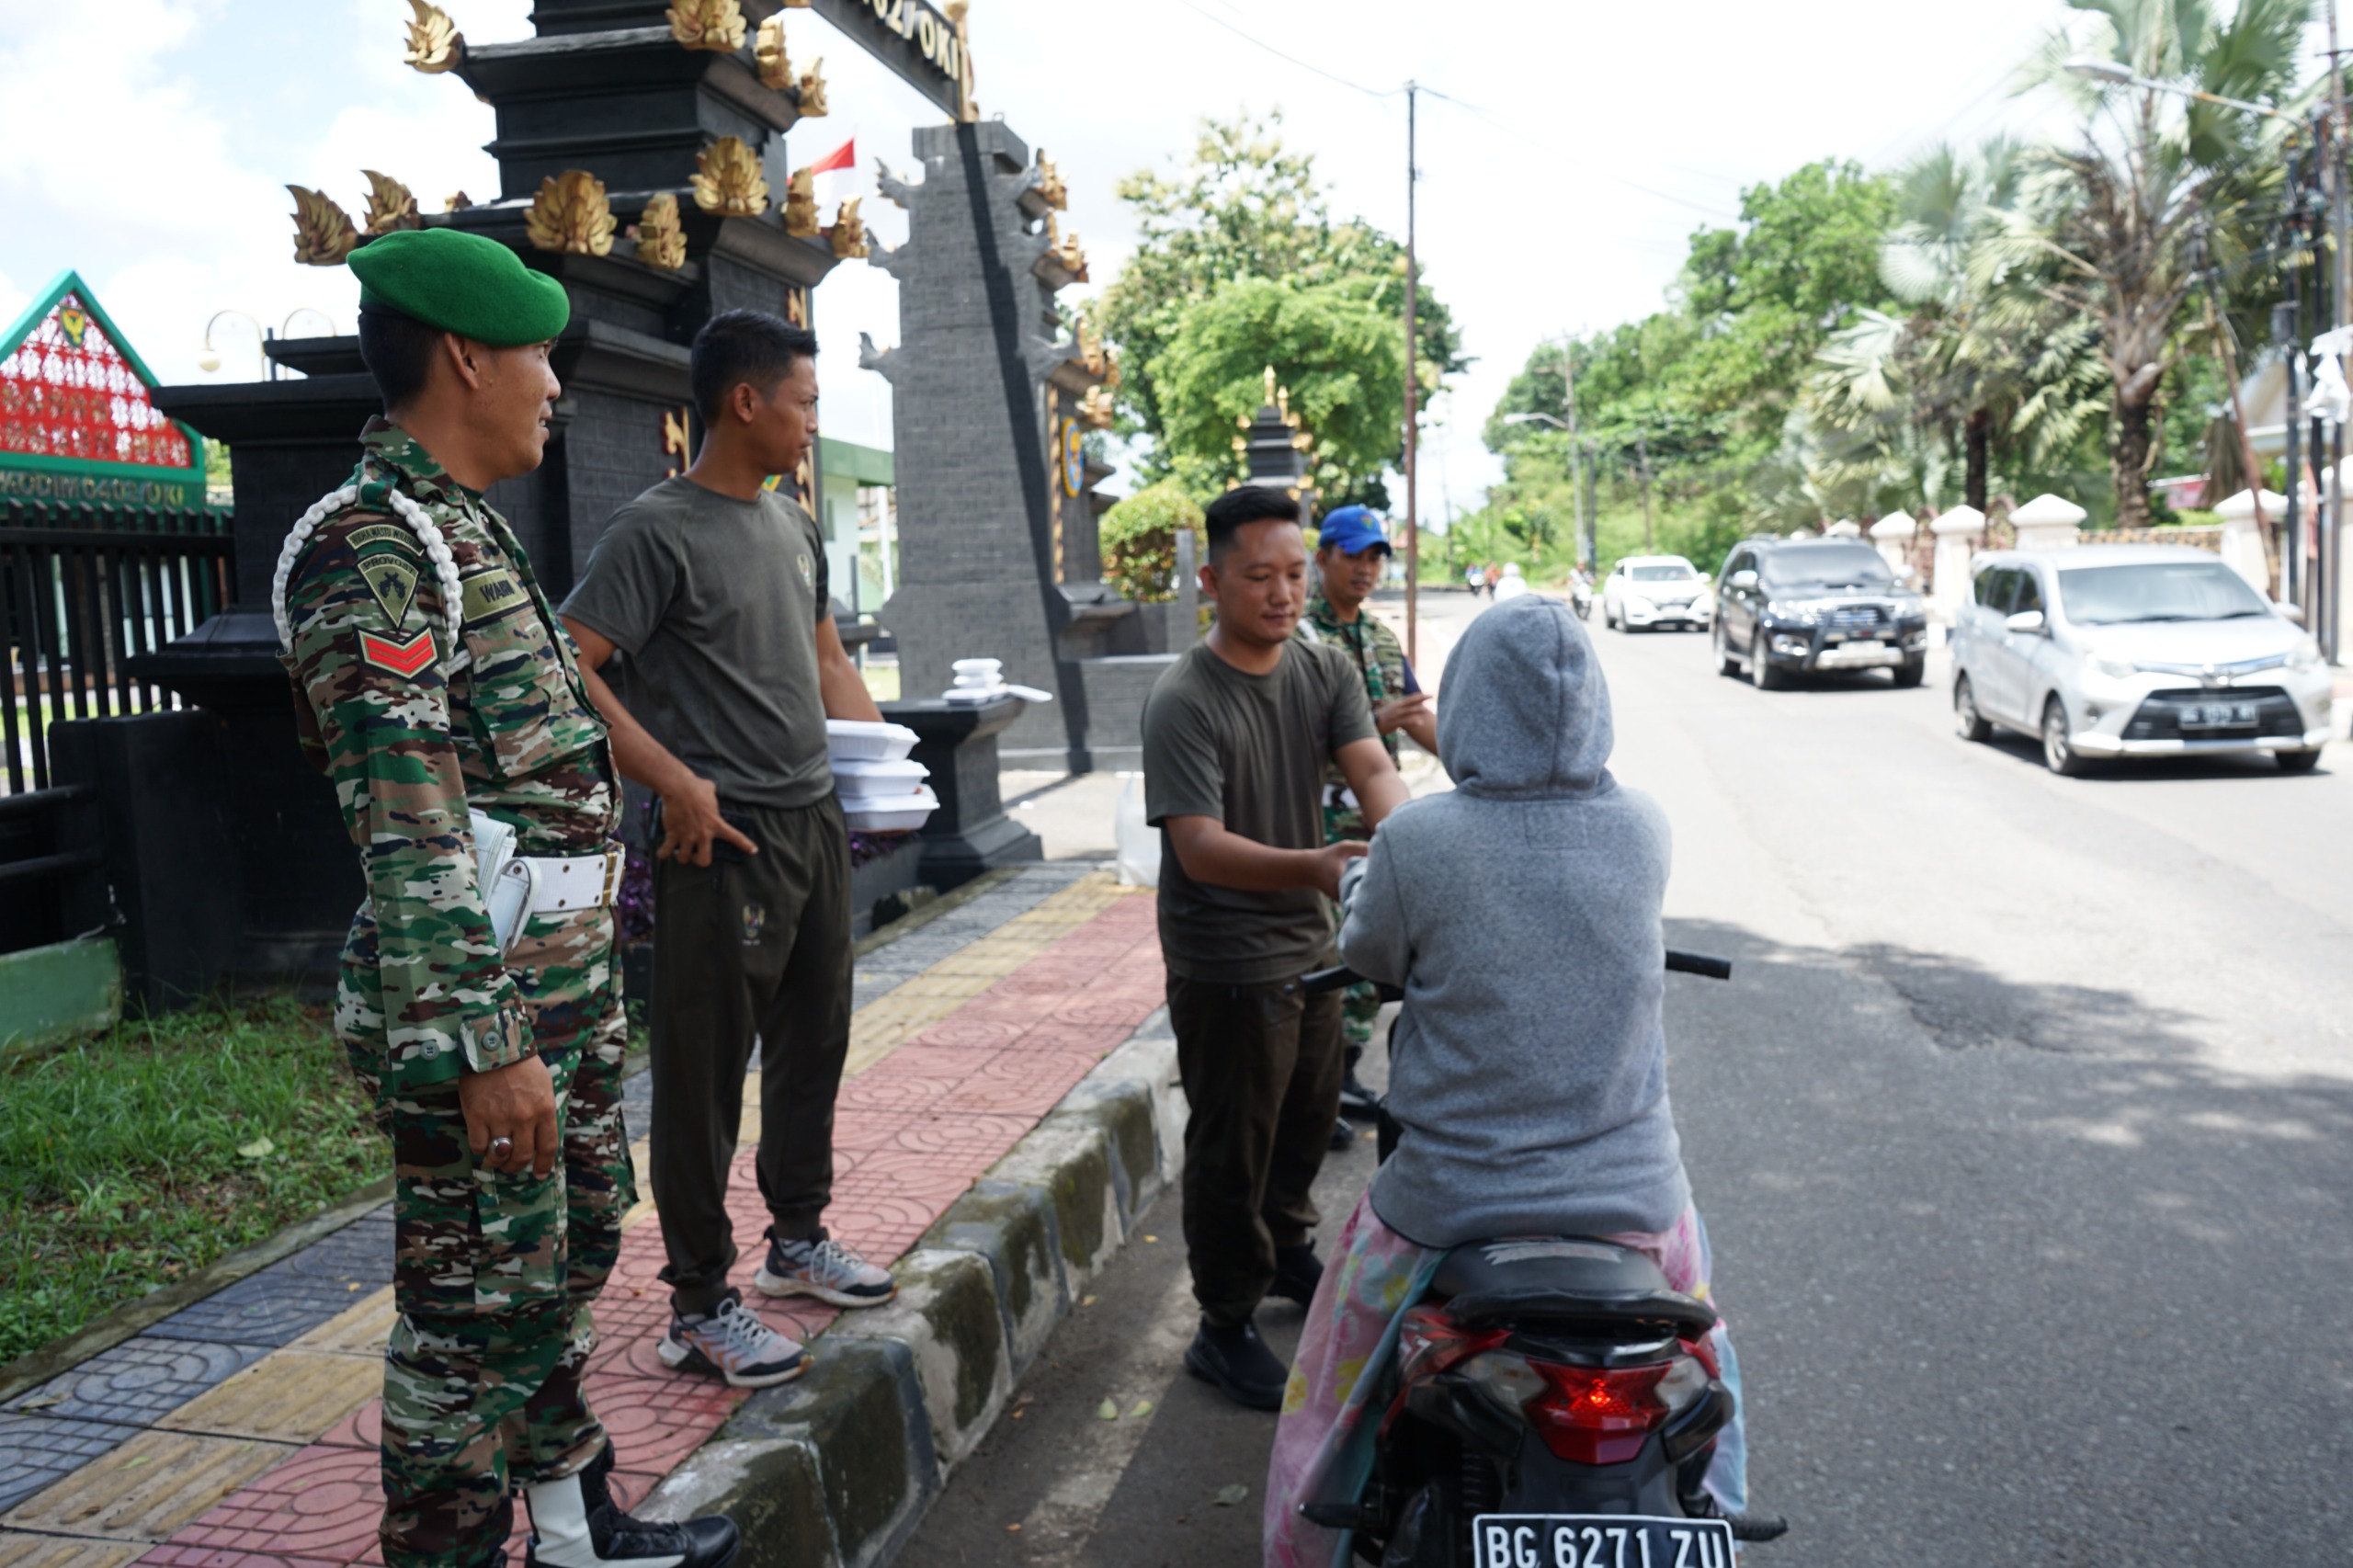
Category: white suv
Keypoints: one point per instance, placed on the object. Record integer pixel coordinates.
(1653, 590)
(2115, 651)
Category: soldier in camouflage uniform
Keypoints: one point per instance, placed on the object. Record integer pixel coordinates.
(435, 688)
(1350, 552)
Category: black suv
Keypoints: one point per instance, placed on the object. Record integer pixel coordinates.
(1785, 606)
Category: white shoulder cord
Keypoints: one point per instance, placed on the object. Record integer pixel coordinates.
(420, 522)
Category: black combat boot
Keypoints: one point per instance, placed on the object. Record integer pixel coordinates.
(577, 1523)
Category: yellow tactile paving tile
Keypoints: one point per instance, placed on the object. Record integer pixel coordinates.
(19, 1549)
(148, 1488)
(360, 1330)
(288, 1396)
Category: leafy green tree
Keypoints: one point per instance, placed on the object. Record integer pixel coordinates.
(1244, 208)
(1341, 356)
(2116, 227)
(1139, 541)
(1978, 358)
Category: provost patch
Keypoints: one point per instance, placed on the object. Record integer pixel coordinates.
(393, 580)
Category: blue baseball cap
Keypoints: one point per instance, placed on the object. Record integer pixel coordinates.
(1351, 530)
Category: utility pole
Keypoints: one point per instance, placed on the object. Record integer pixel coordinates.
(1412, 402)
(1642, 462)
(1585, 554)
(2322, 591)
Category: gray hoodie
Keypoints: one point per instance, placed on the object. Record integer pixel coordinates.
(1521, 915)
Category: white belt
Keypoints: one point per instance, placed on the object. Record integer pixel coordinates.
(531, 885)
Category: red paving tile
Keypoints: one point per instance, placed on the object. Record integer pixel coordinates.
(911, 1135)
(324, 1503)
(961, 1028)
(656, 1422)
(170, 1556)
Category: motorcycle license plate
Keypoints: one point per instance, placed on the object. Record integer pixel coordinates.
(2218, 715)
(1599, 1541)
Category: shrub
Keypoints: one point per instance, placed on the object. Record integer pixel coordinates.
(1139, 541)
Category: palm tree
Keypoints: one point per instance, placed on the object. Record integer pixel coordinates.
(2106, 227)
(1976, 358)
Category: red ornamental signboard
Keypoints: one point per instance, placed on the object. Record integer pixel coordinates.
(76, 423)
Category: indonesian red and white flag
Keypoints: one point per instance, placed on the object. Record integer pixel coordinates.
(842, 157)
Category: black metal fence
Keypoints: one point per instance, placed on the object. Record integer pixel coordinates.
(84, 589)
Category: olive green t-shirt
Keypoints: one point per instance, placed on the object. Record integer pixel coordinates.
(714, 601)
(1249, 751)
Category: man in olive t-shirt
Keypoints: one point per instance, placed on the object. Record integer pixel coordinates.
(1235, 737)
(712, 589)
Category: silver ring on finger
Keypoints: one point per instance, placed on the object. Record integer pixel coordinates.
(501, 1148)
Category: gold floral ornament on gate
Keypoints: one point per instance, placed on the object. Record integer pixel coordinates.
(323, 232)
(434, 44)
(813, 90)
(848, 236)
(660, 240)
(727, 180)
(768, 53)
(713, 25)
(801, 204)
(1051, 185)
(570, 214)
(390, 205)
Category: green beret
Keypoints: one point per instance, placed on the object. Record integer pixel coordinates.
(460, 282)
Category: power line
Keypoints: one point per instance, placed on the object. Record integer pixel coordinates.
(1377, 94)
(1292, 59)
(1477, 112)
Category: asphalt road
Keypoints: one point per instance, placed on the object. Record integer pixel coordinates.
(2024, 1133)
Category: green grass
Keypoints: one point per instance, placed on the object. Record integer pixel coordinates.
(134, 1158)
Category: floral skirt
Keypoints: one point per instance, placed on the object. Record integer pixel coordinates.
(1373, 1276)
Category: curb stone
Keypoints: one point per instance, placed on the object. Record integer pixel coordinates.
(836, 1469)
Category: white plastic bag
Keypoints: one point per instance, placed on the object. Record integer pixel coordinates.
(1138, 846)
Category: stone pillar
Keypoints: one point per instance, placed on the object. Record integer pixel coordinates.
(2048, 522)
(1958, 533)
(1893, 534)
(2243, 540)
(978, 576)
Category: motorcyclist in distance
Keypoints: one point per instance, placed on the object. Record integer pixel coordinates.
(1521, 914)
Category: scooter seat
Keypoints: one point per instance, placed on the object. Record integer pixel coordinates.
(1524, 1280)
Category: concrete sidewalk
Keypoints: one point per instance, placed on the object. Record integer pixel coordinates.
(242, 1430)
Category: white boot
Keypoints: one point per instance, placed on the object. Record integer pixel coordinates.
(576, 1524)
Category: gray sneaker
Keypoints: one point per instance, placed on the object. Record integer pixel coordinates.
(826, 1269)
(731, 1341)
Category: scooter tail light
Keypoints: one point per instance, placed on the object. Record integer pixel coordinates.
(1603, 1414)
(1429, 1342)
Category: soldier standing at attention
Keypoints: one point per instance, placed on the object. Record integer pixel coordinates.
(435, 687)
(1350, 551)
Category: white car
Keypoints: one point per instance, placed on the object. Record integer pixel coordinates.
(2135, 650)
(1655, 590)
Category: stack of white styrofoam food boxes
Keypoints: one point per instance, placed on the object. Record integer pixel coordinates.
(882, 789)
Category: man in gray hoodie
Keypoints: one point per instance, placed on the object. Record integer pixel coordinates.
(1529, 1066)
(1528, 1069)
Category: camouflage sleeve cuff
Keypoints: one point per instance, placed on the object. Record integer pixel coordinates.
(500, 1039)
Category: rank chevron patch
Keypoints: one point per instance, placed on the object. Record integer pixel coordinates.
(401, 658)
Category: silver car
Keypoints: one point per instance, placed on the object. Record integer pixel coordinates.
(2135, 650)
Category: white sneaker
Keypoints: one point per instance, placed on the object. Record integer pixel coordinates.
(731, 1341)
(826, 1269)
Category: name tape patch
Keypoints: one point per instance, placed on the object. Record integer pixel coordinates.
(491, 593)
(402, 657)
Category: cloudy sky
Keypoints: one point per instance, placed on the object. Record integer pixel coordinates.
(1578, 143)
